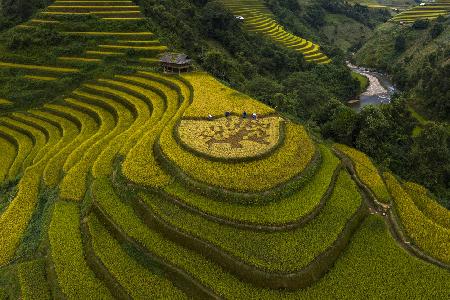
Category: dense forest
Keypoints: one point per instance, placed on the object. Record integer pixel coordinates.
(13, 12)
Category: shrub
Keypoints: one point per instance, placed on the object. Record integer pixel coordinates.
(436, 30)
(400, 43)
(421, 24)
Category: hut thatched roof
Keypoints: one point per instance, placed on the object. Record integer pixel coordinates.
(175, 58)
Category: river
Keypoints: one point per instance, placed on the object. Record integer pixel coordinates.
(379, 91)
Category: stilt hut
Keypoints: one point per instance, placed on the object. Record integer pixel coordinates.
(175, 62)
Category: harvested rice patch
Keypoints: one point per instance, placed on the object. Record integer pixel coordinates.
(231, 137)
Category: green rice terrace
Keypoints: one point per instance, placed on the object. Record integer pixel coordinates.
(137, 186)
(426, 10)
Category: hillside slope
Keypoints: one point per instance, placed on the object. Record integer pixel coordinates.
(418, 60)
(134, 184)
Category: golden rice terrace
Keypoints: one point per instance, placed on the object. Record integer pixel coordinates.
(257, 18)
(424, 11)
(134, 184)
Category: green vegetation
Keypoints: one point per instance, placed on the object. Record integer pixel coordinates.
(422, 59)
(363, 81)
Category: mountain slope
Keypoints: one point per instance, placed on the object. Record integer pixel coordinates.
(137, 184)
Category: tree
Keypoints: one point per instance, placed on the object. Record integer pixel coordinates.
(431, 156)
(436, 30)
(341, 125)
(216, 19)
(265, 89)
(400, 43)
(217, 64)
(315, 16)
(420, 24)
(374, 130)
(18, 9)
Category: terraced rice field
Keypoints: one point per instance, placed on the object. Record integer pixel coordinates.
(258, 18)
(430, 11)
(125, 188)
